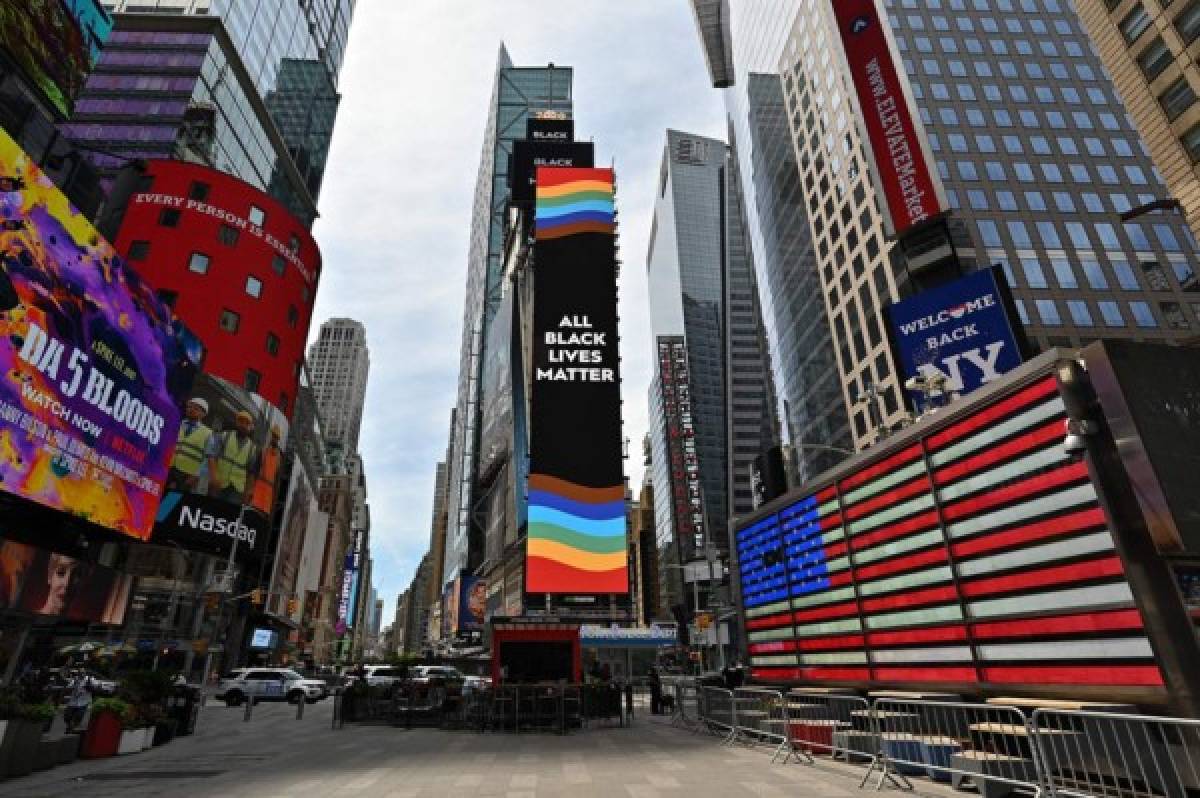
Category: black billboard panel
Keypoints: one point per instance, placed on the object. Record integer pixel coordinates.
(529, 156)
(551, 130)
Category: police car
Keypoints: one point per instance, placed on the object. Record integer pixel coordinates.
(269, 684)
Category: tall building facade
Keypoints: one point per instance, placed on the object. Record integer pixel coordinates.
(517, 92)
(711, 403)
(1038, 159)
(339, 362)
(1147, 46)
(743, 42)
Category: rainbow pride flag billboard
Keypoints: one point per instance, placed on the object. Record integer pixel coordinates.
(93, 370)
(576, 540)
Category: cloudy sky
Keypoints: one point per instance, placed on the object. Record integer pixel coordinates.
(396, 203)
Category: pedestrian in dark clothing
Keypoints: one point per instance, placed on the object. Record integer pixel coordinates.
(655, 692)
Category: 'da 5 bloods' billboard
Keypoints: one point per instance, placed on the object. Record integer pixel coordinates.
(93, 368)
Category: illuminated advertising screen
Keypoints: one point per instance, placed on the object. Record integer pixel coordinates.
(472, 604)
(686, 499)
(529, 156)
(262, 638)
(95, 370)
(42, 582)
(576, 531)
(301, 504)
(910, 189)
(963, 333)
(975, 555)
(56, 43)
(223, 476)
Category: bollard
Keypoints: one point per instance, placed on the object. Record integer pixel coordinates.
(300, 708)
(249, 708)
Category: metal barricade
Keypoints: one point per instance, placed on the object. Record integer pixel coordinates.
(761, 716)
(686, 702)
(989, 746)
(1116, 756)
(837, 726)
(720, 712)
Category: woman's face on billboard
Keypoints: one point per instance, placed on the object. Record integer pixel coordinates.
(59, 577)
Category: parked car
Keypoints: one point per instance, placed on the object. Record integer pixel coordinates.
(472, 684)
(445, 673)
(384, 675)
(269, 684)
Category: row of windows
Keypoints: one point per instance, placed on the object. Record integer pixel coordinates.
(1038, 145)
(1016, 91)
(1007, 6)
(1063, 201)
(1004, 118)
(967, 24)
(973, 46)
(199, 263)
(1049, 314)
(1050, 173)
(1033, 273)
(1049, 235)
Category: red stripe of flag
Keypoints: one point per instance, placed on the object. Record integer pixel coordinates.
(892, 531)
(1030, 533)
(836, 549)
(926, 674)
(1141, 675)
(830, 521)
(1010, 494)
(832, 611)
(997, 412)
(829, 643)
(769, 621)
(915, 598)
(1059, 575)
(889, 498)
(1042, 435)
(815, 674)
(840, 579)
(1110, 621)
(882, 467)
(936, 634)
(776, 647)
(930, 557)
(828, 494)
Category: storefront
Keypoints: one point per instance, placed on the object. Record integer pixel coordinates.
(628, 652)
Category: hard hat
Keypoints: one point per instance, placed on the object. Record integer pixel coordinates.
(198, 402)
(276, 431)
(244, 416)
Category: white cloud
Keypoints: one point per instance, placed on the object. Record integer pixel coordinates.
(396, 204)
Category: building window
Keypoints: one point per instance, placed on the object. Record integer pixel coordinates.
(253, 379)
(294, 241)
(1178, 97)
(1081, 316)
(138, 250)
(293, 316)
(1134, 23)
(272, 343)
(230, 321)
(1191, 142)
(1049, 312)
(1111, 312)
(1188, 22)
(168, 297)
(1154, 58)
(1142, 315)
(278, 264)
(227, 235)
(1173, 314)
(253, 286)
(198, 191)
(198, 263)
(169, 217)
(258, 216)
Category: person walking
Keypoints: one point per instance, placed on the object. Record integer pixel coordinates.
(79, 698)
(655, 692)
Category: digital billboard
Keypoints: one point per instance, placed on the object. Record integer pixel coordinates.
(56, 43)
(975, 553)
(222, 482)
(346, 598)
(686, 500)
(472, 603)
(95, 370)
(963, 333)
(910, 188)
(301, 503)
(43, 582)
(529, 156)
(576, 540)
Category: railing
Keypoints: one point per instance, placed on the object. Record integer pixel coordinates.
(1116, 756)
(996, 749)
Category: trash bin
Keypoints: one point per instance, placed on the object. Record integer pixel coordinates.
(184, 708)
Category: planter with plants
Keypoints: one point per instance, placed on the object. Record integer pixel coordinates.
(103, 734)
(23, 737)
(44, 752)
(10, 720)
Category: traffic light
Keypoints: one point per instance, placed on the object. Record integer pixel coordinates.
(256, 596)
(292, 606)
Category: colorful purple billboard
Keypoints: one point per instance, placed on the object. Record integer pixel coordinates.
(94, 368)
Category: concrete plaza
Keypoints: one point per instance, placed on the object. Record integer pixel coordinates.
(274, 755)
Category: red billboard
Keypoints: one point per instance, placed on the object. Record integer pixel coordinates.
(902, 171)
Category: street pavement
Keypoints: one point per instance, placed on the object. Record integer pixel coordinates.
(274, 755)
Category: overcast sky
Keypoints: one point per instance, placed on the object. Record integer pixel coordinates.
(396, 204)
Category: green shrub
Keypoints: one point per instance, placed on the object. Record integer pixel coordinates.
(122, 709)
(39, 713)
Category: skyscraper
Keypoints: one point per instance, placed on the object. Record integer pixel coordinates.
(339, 362)
(743, 43)
(1144, 46)
(517, 92)
(711, 403)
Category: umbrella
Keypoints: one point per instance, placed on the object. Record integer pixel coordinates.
(114, 649)
(81, 648)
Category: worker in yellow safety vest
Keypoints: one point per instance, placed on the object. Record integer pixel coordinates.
(268, 470)
(195, 449)
(236, 462)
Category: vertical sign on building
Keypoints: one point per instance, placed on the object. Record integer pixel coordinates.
(686, 498)
(902, 174)
(576, 542)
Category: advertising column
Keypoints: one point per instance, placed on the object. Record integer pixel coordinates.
(576, 532)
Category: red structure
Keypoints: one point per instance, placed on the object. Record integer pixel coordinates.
(536, 652)
(240, 271)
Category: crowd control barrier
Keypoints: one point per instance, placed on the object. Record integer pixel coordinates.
(834, 725)
(1115, 755)
(761, 716)
(720, 712)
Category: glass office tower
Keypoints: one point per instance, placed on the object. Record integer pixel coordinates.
(517, 92)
